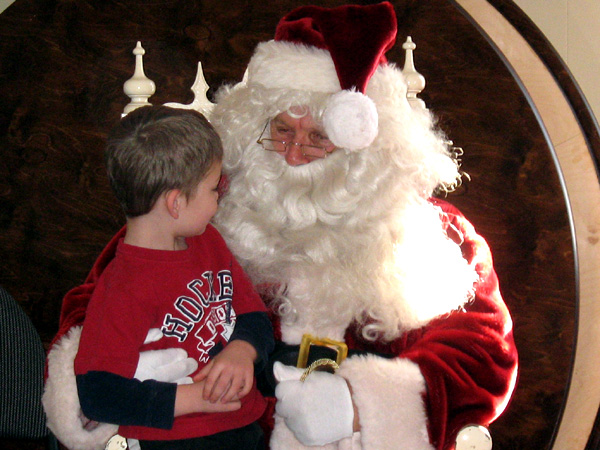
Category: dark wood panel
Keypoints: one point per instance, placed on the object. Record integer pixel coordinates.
(62, 67)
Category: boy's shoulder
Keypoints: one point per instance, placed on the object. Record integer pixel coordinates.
(124, 270)
(119, 271)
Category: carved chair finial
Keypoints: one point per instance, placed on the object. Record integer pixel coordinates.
(199, 88)
(139, 87)
(414, 80)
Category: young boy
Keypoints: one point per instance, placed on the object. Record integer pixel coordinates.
(173, 272)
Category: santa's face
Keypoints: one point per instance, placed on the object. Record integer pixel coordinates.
(297, 137)
(343, 237)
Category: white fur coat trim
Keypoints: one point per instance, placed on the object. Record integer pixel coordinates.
(61, 401)
(388, 396)
(283, 65)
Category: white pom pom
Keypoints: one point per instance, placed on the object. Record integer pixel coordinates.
(350, 120)
(473, 437)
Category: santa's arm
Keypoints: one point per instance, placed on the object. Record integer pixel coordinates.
(458, 370)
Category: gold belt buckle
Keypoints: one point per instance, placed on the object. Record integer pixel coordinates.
(308, 341)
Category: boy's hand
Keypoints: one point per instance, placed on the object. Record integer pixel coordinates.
(189, 399)
(230, 374)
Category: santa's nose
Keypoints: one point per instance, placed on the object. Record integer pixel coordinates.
(294, 155)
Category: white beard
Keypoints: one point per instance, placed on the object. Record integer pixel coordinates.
(348, 238)
(337, 256)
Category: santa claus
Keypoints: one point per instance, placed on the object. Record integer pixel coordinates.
(330, 209)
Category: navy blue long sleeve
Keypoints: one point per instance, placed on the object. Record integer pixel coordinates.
(256, 329)
(107, 397)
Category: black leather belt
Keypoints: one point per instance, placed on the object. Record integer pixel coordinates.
(303, 355)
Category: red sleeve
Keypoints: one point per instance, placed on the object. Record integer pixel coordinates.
(75, 302)
(246, 299)
(467, 358)
(457, 370)
(118, 316)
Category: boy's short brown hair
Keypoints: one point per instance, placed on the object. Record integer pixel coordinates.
(155, 149)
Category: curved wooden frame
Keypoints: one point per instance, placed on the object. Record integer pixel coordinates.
(572, 136)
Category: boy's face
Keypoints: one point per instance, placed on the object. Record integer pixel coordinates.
(201, 206)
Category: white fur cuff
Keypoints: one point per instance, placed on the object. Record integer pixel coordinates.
(61, 402)
(388, 396)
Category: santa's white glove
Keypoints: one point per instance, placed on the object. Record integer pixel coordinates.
(171, 365)
(317, 410)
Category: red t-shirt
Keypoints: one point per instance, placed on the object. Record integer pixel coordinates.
(193, 296)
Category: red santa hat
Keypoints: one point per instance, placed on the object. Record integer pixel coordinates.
(331, 50)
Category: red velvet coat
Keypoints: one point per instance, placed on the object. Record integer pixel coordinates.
(459, 369)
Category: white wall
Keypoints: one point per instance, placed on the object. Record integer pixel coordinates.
(573, 28)
(4, 4)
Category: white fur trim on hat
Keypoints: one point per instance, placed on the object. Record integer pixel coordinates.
(284, 65)
(350, 120)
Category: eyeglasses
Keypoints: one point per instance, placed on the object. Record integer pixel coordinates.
(310, 151)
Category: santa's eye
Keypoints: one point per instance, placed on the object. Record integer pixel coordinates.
(320, 139)
(284, 131)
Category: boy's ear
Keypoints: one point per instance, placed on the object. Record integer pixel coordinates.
(173, 199)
